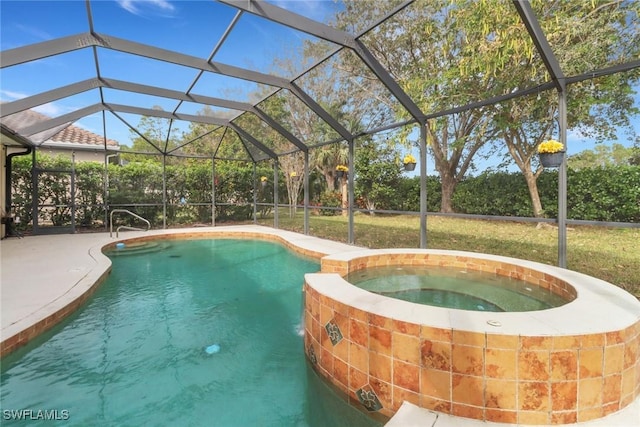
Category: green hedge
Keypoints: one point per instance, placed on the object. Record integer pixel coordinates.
(600, 194)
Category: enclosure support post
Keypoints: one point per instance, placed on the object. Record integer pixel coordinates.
(306, 192)
(164, 191)
(255, 196)
(73, 191)
(276, 219)
(423, 185)
(562, 183)
(351, 194)
(213, 191)
(34, 189)
(105, 195)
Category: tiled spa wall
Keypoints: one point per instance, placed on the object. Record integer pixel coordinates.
(380, 362)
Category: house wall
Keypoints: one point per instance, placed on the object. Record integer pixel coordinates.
(80, 155)
(3, 195)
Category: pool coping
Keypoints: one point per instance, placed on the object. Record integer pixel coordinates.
(71, 267)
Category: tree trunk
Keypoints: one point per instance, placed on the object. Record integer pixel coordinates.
(532, 185)
(330, 180)
(448, 186)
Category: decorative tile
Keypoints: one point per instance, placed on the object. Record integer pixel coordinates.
(500, 363)
(436, 355)
(406, 375)
(368, 398)
(533, 396)
(435, 384)
(564, 396)
(380, 340)
(406, 347)
(358, 357)
(467, 390)
(564, 365)
(341, 372)
(406, 328)
(384, 391)
(357, 379)
(312, 355)
(568, 417)
(533, 417)
(467, 360)
(590, 363)
(535, 343)
(500, 394)
(590, 393)
(333, 331)
(467, 411)
(589, 414)
(359, 332)
(469, 338)
(612, 388)
(533, 365)
(380, 366)
(501, 416)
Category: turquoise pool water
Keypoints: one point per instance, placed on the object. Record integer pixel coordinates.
(135, 354)
(454, 288)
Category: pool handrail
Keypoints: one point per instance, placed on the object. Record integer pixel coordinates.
(125, 226)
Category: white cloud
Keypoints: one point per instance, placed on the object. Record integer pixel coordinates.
(37, 33)
(49, 109)
(134, 6)
(11, 96)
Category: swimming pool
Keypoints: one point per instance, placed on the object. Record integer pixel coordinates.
(136, 352)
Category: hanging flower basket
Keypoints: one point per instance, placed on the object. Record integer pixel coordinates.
(551, 153)
(551, 160)
(340, 174)
(341, 171)
(263, 181)
(409, 162)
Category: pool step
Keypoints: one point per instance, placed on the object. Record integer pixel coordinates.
(138, 248)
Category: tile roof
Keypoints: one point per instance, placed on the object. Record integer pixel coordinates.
(76, 135)
(66, 134)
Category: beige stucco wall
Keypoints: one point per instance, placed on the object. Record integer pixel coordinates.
(81, 156)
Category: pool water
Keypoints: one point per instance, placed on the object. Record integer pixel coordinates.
(454, 288)
(135, 354)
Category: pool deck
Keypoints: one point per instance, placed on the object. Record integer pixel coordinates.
(41, 275)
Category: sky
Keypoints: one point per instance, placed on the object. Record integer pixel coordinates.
(189, 27)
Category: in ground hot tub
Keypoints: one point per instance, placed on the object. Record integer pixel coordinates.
(459, 288)
(575, 362)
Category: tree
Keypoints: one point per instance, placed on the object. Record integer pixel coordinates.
(596, 108)
(201, 139)
(601, 156)
(377, 175)
(421, 47)
(152, 135)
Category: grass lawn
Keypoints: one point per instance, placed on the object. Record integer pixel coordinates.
(611, 254)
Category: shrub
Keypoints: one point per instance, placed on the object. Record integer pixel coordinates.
(332, 199)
